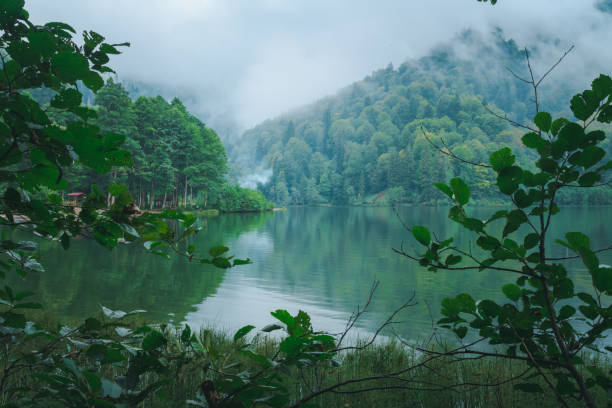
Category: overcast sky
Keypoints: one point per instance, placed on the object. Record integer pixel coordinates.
(256, 59)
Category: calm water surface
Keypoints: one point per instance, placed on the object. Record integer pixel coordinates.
(321, 260)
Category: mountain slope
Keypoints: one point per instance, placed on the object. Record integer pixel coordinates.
(368, 143)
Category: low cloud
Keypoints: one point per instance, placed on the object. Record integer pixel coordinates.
(252, 60)
(253, 180)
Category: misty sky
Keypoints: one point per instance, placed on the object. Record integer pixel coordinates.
(255, 59)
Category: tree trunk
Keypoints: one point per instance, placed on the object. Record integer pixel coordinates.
(152, 203)
(164, 202)
(191, 195)
(110, 199)
(185, 195)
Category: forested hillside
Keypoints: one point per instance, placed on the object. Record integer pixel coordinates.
(368, 144)
(177, 159)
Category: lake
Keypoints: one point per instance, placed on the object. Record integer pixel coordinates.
(322, 260)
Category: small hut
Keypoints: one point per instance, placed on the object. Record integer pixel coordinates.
(76, 198)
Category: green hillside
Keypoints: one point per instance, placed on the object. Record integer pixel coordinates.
(367, 143)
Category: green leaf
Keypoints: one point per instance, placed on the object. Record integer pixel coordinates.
(602, 279)
(602, 86)
(591, 155)
(528, 387)
(243, 331)
(460, 331)
(488, 309)
(543, 121)
(218, 250)
(509, 178)
(42, 42)
(577, 240)
(28, 305)
(452, 260)
(531, 240)
(12, 8)
(222, 263)
(512, 291)
(465, 303)
(571, 136)
(284, 317)
(498, 215)
(557, 125)
(501, 159)
(109, 49)
(533, 141)
(547, 165)
(68, 98)
(14, 320)
(487, 243)
(291, 345)
(262, 360)
(56, 25)
(589, 179)
(566, 312)
(587, 298)
(23, 295)
(421, 234)
(460, 190)
(271, 327)
(445, 189)
(522, 199)
(186, 334)
(584, 105)
(65, 240)
(93, 81)
(563, 289)
(70, 66)
(95, 383)
(153, 341)
(515, 218)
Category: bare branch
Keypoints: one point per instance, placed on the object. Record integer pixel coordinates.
(554, 65)
(578, 256)
(507, 119)
(447, 151)
(540, 371)
(355, 316)
(518, 77)
(460, 268)
(608, 183)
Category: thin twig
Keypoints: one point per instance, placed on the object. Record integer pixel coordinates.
(555, 65)
(447, 151)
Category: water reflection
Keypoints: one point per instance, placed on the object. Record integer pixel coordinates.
(322, 260)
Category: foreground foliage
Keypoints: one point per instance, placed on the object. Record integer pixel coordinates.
(41, 365)
(545, 322)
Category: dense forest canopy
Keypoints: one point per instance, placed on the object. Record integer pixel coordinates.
(368, 143)
(176, 159)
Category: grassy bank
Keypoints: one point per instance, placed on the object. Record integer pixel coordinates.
(485, 381)
(439, 383)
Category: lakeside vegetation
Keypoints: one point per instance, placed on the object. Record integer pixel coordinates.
(440, 383)
(177, 161)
